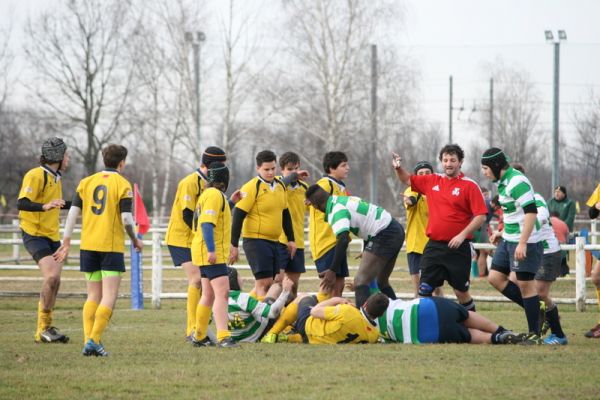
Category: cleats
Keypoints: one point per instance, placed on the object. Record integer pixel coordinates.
(50, 335)
(542, 323)
(206, 342)
(270, 338)
(228, 342)
(509, 337)
(190, 337)
(92, 348)
(552, 339)
(593, 333)
(531, 339)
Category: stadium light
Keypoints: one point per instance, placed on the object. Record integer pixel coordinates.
(196, 38)
(562, 35)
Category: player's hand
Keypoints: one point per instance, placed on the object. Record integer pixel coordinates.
(327, 280)
(138, 244)
(292, 249)
(495, 237)
(62, 253)
(396, 160)
(235, 196)
(303, 174)
(287, 284)
(212, 257)
(521, 251)
(456, 241)
(56, 203)
(597, 205)
(233, 255)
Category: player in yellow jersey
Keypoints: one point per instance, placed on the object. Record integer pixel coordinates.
(210, 251)
(322, 240)
(260, 216)
(105, 201)
(39, 204)
(293, 177)
(179, 232)
(594, 211)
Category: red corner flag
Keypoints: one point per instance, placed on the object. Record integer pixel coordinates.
(141, 216)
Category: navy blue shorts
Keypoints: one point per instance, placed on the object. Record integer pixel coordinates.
(388, 242)
(39, 246)
(414, 263)
(304, 307)
(550, 268)
(213, 271)
(451, 317)
(504, 255)
(325, 261)
(180, 255)
(92, 261)
(288, 264)
(263, 257)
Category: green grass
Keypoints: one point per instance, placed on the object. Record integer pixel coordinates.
(150, 359)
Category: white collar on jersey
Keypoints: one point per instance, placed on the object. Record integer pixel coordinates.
(56, 174)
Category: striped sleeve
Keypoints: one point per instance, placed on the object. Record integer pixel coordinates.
(522, 191)
(339, 219)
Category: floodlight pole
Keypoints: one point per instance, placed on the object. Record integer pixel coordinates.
(556, 106)
(196, 38)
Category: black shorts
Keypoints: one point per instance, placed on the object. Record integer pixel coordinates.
(388, 242)
(324, 262)
(39, 246)
(440, 263)
(288, 264)
(304, 307)
(180, 255)
(414, 262)
(213, 271)
(92, 261)
(263, 257)
(451, 317)
(550, 268)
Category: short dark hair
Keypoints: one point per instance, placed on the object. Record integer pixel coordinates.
(289, 158)
(376, 305)
(316, 194)
(265, 156)
(452, 149)
(113, 154)
(518, 167)
(333, 159)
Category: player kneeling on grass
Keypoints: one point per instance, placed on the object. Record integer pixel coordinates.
(439, 320)
(210, 250)
(249, 318)
(333, 321)
(102, 197)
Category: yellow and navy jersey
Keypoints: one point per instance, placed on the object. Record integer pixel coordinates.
(343, 323)
(101, 225)
(321, 237)
(417, 216)
(41, 185)
(212, 208)
(264, 204)
(295, 197)
(189, 190)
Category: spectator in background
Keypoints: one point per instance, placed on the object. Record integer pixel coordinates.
(561, 230)
(564, 206)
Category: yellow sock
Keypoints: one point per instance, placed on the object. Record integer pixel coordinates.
(294, 338)
(202, 318)
(288, 316)
(598, 296)
(44, 318)
(89, 315)
(322, 296)
(260, 298)
(253, 294)
(101, 319)
(193, 297)
(223, 334)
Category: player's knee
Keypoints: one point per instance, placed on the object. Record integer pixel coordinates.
(53, 281)
(425, 290)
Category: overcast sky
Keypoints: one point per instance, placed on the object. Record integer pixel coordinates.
(458, 37)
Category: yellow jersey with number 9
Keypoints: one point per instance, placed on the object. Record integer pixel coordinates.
(101, 225)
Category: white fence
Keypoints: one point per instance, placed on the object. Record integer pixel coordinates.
(157, 266)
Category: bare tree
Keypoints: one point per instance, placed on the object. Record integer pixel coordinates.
(76, 51)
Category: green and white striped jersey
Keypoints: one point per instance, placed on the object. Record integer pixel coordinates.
(248, 317)
(549, 239)
(400, 321)
(350, 213)
(515, 192)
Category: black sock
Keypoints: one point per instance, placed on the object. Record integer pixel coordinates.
(512, 292)
(532, 312)
(554, 321)
(469, 305)
(361, 294)
(389, 292)
(496, 335)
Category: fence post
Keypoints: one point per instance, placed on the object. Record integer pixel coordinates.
(580, 274)
(593, 231)
(156, 269)
(16, 236)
